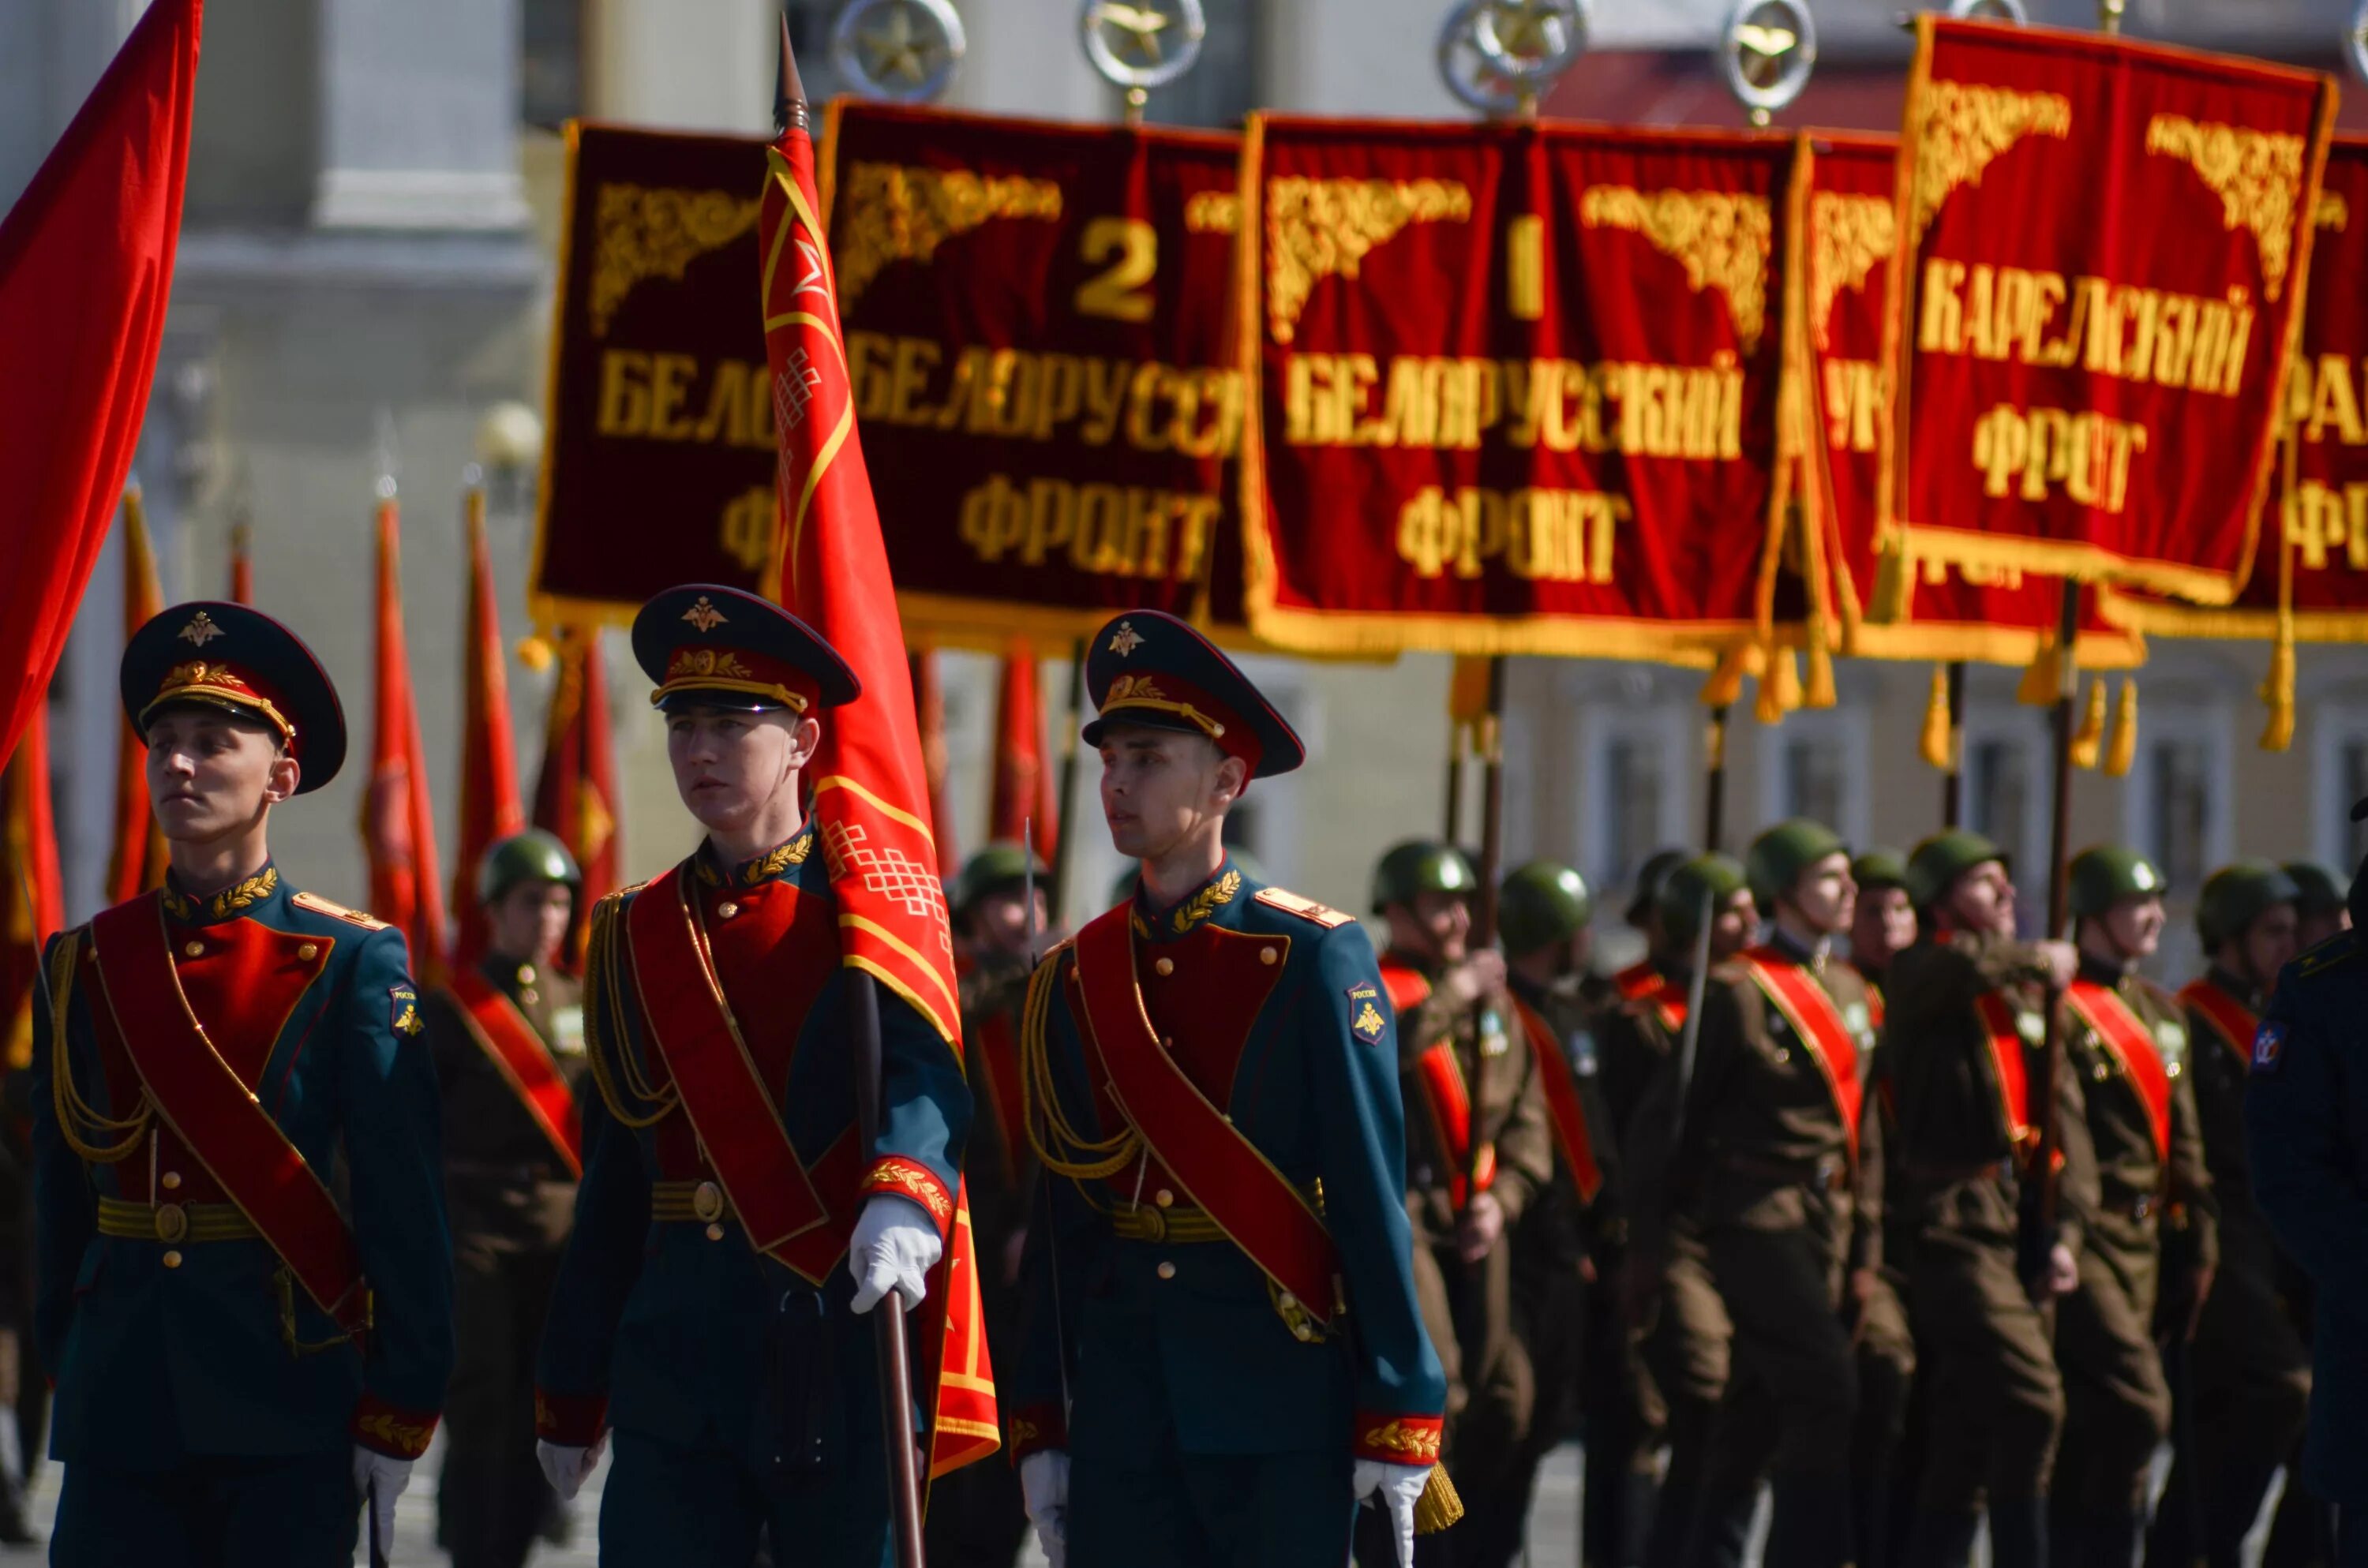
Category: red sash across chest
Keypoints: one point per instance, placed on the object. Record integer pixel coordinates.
(2002, 1033)
(1564, 1107)
(1446, 1092)
(1809, 1008)
(1643, 984)
(508, 1039)
(2102, 1009)
(207, 1096)
(2234, 1022)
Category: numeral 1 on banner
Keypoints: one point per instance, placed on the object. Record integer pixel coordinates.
(1113, 292)
(1525, 266)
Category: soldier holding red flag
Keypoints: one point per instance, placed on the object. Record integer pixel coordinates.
(241, 1359)
(1214, 1089)
(731, 1230)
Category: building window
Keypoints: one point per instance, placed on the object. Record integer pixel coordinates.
(2339, 767)
(1222, 89)
(1633, 791)
(2177, 804)
(1815, 765)
(551, 60)
(2005, 798)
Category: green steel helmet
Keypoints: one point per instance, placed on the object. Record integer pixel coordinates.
(533, 856)
(1650, 877)
(1778, 857)
(1420, 865)
(1877, 869)
(2318, 891)
(2240, 893)
(2105, 874)
(1541, 904)
(1720, 876)
(1934, 865)
(1001, 865)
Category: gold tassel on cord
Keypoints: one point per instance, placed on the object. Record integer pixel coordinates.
(1820, 692)
(1780, 687)
(2278, 691)
(1725, 682)
(1894, 580)
(2122, 749)
(1937, 738)
(1438, 1506)
(2088, 741)
(535, 652)
(2040, 681)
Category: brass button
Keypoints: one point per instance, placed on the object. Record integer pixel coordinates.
(714, 1232)
(1164, 1197)
(707, 1201)
(195, 949)
(172, 1261)
(530, 995)
(526, 974)
(1286, 1300)
(172, 1223)
(1270, 955)
(170, 1181)
(726, 909)
(1167, 1271)
(1167, 1042)
(1166, 966)
(308, 952)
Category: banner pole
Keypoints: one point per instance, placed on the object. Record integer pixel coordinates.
(1714, 783)
(2044, 1114)
(888, 1317)
(1064, 827)
(1952, 781)
(1454, 781)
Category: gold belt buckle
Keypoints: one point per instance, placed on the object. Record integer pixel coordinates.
(707, 1201)
(172, 1223)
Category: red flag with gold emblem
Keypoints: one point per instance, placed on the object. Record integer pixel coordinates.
(31, 889)
(398, 827)
(137, 863)
(490, 808)
(575, 792)
(870, 784)
(1023, 784)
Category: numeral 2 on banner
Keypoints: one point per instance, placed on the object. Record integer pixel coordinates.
(1112, 292)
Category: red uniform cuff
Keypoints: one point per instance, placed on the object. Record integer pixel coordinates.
(910, 1178)
(398, 1434)
(1033, 1427)
(1398, 1440)
(573, 1419)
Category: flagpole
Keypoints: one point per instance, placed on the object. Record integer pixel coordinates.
(1952, 780)
(1714, 783)
(1065, 827)
(2045, 1114)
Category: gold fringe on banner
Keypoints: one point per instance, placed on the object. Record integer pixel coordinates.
(535, 652)
(1725, 682)
(2088, 741)
(1895, 580)
(1819, 692)
(2122, 750)
(1780, 687)
(1438, 1506)
(2041, 682)
(1938, 742)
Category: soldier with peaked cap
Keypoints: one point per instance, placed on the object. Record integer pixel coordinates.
(2151, 1238)
(1225, 1352)
(2322, 903)
(1479, 1152)
(1667, 1283)
(2251, 1387)
(978, 1518)
(731, 1230)
(1964, 1023)
(508, 1036)
(241, 1358)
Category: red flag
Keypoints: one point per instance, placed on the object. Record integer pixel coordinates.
(33, 895)
(85, 271)
(575, 794)
(242, 565)
(398, 828)
(929, 708)
(871, 787)
(137, 862)
(1023, 784)
(490, 808)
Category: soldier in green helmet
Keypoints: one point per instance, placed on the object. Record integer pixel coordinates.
(1478, 1154)
(506, 1034)
(2152, 1230)
(2250, 1380)
(1965, 1022)
(1885, 922)
(2323, 905)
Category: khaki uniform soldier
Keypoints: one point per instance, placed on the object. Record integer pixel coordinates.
(2249, 1388)
(508, 1037)
(1542, 911)
(1478, 1150)
(1781, 1175)
(1688, 1336)
(2126, 1042)
(1962, 1035)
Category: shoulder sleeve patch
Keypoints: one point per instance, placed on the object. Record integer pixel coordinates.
(1366, 1019)
(319, 905)
(1305, 908)
(2269, 1045)
(402, 1010)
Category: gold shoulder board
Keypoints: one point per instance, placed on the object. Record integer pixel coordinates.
(319, 905)
(1305, 908)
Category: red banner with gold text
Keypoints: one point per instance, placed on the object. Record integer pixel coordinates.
(1519, 385)
(2102, 245)
(1037, 327)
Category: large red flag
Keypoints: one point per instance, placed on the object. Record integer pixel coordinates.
(85, 271)
(929, 709)
(137, 862)
(1023, 785)
(870, 786)
(398, 827)
(575, 792)
(490, 807)
(33, 895)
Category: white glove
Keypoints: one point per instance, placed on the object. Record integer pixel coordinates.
(1395, 1487)
(1044, 1486)
(378, 1482)
(894, 1245)
(567, 1466)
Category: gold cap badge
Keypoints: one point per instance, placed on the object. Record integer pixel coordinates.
(1125, 640)
(201, 631)
(703, 615)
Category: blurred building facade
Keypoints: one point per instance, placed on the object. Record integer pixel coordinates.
(366, 271)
